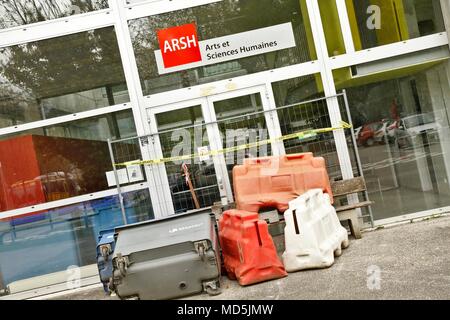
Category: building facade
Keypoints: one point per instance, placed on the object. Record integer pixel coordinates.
(75, 73)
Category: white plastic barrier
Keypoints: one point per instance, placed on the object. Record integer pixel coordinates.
(313, 233)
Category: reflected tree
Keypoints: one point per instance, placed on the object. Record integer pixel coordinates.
(35, 71)
(80, 61)
(215, 20)
(21, 12)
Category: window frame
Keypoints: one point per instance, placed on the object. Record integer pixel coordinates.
(119, 13)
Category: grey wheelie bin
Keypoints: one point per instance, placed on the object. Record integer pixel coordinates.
(169, 258)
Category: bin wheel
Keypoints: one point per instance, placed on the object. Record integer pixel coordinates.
(213, 291)
(105, 252)
(201, 251)
(338, 252)
(345, 244)
(122, 268)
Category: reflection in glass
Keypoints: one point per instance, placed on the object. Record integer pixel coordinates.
(21, 12)
(215, 20)
(50, 241)
(300, 108)
(183, 132)
(60, 76)
(380, 22)
(59, 161)
(332, 27)
(241, 121)
(402, 129)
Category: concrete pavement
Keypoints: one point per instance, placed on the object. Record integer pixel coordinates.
(413, 260)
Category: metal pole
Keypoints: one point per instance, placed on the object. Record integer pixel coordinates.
(355, 148)
(2, 285)
(116, 177)
(391, 159)
(445, 7)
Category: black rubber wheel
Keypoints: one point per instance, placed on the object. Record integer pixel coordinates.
(213, 292)
(105, 253)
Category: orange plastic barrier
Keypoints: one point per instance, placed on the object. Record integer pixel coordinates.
(249, 254)
(272, 182)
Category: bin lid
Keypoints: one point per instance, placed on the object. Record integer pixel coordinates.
(191, 227)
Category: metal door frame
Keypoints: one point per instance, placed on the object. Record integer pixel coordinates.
(151, 116)
(273, 128)
(215, 141)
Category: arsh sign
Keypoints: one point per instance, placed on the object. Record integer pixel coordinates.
(179, 45)
(181, 50)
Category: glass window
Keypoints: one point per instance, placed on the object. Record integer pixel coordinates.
(183, 133)
(51, 241)
(59, 161)
(222, 18)
(301, 109)
(332, 27)
(241, 121)
(20, 12)
(379, 22)
(401, 121)
(60, 76)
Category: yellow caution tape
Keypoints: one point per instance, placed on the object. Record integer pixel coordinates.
(300, 135)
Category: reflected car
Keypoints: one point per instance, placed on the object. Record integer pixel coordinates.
(419, 123)
(392, 130)
(387, 132)
(371, 133)
(412, 126)
(377, 132)
(358, 131)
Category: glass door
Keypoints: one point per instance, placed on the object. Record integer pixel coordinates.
(240, 121)
(403, 125)
(182, 131)
(224, 130)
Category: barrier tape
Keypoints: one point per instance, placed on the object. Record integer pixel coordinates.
(301, 135)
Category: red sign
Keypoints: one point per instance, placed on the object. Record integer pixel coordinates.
(179, 45)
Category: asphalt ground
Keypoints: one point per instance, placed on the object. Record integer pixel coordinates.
(409, 261)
